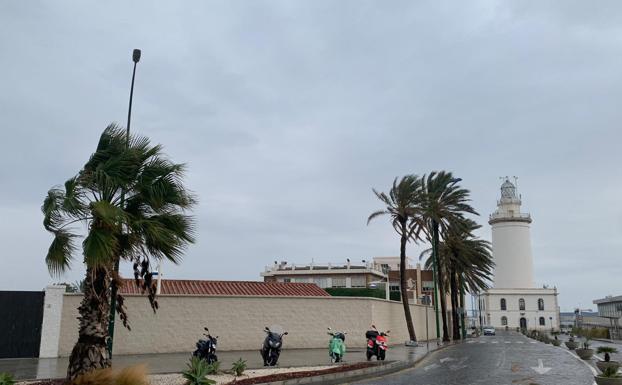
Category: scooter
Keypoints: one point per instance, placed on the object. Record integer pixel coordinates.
(271, 348)
(376, 344)
(206, 348)
(336, 345)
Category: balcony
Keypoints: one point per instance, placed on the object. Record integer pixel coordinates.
(509, 217)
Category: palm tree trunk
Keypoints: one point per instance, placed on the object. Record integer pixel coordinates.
(441, 286)
(403, 288)
(462, 318)
(90, 351)
(454, 304)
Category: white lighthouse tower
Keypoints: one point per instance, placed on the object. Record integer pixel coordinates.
(511, 241)
(514, 301)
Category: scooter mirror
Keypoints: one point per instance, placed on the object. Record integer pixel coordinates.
(328, 328)
(373, 327)
(266, 329)
(388, 331)
(286, 333)
(206, 329)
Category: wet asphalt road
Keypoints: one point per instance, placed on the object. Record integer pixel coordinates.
(507, 358)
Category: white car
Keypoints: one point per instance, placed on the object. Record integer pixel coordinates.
(489, 330)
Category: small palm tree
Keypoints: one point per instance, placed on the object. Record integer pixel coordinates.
(443, 202)
(132, 202)
(402, 206)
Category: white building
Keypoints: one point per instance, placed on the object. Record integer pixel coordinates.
(514, 301)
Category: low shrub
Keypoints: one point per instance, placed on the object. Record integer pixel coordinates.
(213, 367)
(606, 350)
(197, 371)
(610, 373)
(362, 292)
(239, 367)
(6, 379)
(95, 377)
(591, 332)
(133, 375)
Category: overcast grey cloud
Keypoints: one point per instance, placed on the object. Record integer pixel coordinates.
(289, 112)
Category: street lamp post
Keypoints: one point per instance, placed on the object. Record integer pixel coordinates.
(114, 289)
(426, 301)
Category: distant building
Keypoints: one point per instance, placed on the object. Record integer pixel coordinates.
(392, 263)
(514, 301)
(419, 283)
(367, 274)
(341, 275)
(610, 308)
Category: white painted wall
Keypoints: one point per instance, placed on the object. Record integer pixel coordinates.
(51, 326)
(239, 321)
(511, 248)
(493, 313)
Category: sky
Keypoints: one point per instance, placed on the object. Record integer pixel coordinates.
(288, 113)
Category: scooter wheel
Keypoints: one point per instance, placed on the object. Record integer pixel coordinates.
(369, 356)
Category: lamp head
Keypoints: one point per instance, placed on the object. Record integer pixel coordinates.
(136, 55)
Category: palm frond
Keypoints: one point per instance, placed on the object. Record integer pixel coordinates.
(58, 258)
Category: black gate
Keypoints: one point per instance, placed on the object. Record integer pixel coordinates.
(21, 316)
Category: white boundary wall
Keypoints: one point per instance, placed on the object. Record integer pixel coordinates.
(239, 321)
(51, 326)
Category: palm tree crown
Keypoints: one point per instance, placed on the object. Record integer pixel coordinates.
(402, 206)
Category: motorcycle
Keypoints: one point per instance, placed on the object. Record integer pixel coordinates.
(376, 344)
(271, 348)
(336, 345)
(206, 348)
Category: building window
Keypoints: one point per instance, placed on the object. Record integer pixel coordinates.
(287, 280)
(542, 321)
(504, 321)
(427, 285)
(321, 282)
(540, 304)
(339, 282)
(301, 280)
(503, 307)
(521, 304)
(358, 281)
(394, 287)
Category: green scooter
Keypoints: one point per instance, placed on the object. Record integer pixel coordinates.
(336, 346)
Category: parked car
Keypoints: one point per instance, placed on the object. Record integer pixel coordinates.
(489, 330)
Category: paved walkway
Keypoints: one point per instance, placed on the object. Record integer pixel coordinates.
(31, 368)
(506, 359)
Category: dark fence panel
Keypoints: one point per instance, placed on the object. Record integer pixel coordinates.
(21, 318)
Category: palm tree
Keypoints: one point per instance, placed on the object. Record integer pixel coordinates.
(443, 202)
(467, 261)
(132, 202)
(401, 206)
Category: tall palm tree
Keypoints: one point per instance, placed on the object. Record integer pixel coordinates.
(468, 261)
(152, 223)
(402, 206)
(443, 202)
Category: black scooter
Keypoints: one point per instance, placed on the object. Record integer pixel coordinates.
(206, 348)
(271, 348)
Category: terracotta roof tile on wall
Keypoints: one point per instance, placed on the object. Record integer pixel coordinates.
(251, 288)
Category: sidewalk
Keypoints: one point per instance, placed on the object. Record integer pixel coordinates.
(38, 368)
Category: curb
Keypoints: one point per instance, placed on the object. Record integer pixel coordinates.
(358, 374)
